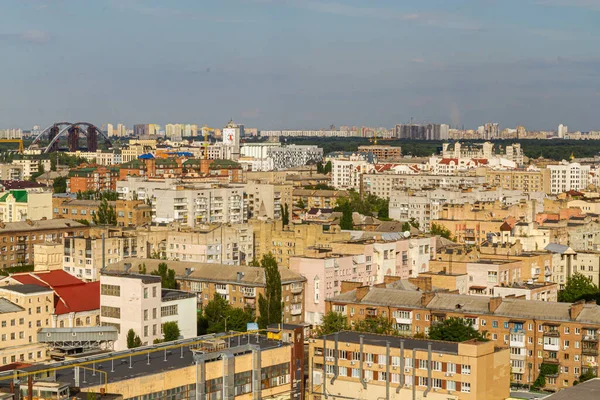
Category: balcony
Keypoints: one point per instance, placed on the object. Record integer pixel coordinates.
(517, 342)
(589, 349)
(249, 292)
(296, 289)
(552, 333)
(517, 370)
(552, 346)
(296, 310)
(550, 360)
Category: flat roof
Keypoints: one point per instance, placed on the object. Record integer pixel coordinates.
(27, 288)
(588, 390)
(381, 340)
(158, 360)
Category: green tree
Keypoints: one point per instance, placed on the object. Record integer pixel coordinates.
(171, 331)
(406, 227)
(454, 330)
(285, 215)
(320, 167)
(589, 374)
(238, 318)
(346, 221)
(52, 164)
(577, 287)
(333, 322)
(106, 214)
(301, 204)
(380, 325)
(327, 168)
(133, 340)
(440, 230)
(215, 313)
(167, 276)
(269, 305)
(60, 184)
(142, 269)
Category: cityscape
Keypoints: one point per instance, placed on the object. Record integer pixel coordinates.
(299, 200)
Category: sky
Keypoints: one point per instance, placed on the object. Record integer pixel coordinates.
(301, 64)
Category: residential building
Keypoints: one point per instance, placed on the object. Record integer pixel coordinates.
(384, 184)
(11, 172)
(422, 132)
(383, 152)
(312, 198)
(97, 179)
(566, 262)
(563, 130)
(568, 176)
(347, 174)
(17, 239)
(369, 366)
(239, 285)
(21, 205)
(232, 134)
(24, 310)
(134, 301)
(13, 133)
(129, 212)
(293, 155)
(267, 201)
(98, 157)
(140, 130)
(536, 332)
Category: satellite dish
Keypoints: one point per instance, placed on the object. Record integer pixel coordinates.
(406, 234)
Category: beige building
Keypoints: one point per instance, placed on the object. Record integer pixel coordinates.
(382, 152)
(21, 205)
(23, 310)
(529, 180)
(11, 172)
(367, 366)
(266, 200)
(48, 256)
(317, 198)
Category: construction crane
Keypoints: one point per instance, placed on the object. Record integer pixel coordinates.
(20, 141)
(374, 139)
(205, 130)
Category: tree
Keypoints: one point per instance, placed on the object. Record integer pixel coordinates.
(215, 312)
(406, 227)
(333, 322)
(327, 168)
(440, 230)
(269, 305)
(320, 167)
(454, 330)
(238, 318)
(52, 164)
(301, 204)
(171, 331)
(60, 184)
(167, 276)
(142, 269)
(346, 221)
(106, 214)
(380, 325)
(577, 287)
(285, 215)
(133, 340)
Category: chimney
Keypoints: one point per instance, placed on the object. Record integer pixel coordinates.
(426, 298)
(390, 279)
(576, 309)
(347, 286)
(422, 282)
(239, 276)
(494, 303)
(361, 292)
(29, 222)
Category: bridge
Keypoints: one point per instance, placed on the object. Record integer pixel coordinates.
(72, 132)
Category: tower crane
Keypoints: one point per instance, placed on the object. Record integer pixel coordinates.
(205, 131)
(20, 141)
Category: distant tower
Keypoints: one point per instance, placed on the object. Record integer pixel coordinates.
(562, 130)
(232, 134)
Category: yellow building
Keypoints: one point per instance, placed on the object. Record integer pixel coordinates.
(525, 180)
(367, 366)
(23, 310)
(20, 205)
(317, 198)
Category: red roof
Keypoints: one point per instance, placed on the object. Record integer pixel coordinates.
(15, 365)
(53, 279)
(481, 161)
(77, 298)
(446, 161)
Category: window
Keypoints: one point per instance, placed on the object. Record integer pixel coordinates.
(494, 324)
(145, 293)
(450, 385)
(154, 312)
(451, 367)
(369, 357)
(436, 383)
(422, 381)
(465, 387)
(154, 291)
(436, 365)
(343, 371)
(146, 331)
(355, 373)
(110, 312)
(395, 361)
(382, 377)
(466, 369)
(395, 378)
(110, 290)
(145, 315)
(423, 364)
(381, 359)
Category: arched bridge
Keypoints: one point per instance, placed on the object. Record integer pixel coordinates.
(72, 132)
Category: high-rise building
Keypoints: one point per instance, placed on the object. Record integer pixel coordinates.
(110, 130)
(422, 132)
(146, 130)
(562, 130)
(232, 134)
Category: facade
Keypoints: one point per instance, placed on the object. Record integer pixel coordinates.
(129, 301)
(568, 176)
(266, 201)
(293, 155)
(31, 167)
(383, 184)
(422, 132)
(566, 262)
(17, 239)
(98, 157)
(347, 174)
(146, 130)
(536, 332)
(312, 198)
(129, 212)
(528, 180)
(21, 205)
(382, 152)
(97, 179)
(11, 172)
(362, 366)
(232, 134)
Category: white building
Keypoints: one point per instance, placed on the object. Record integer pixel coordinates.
(282, 157)
(129, 301)
(32, 166)
(562, 131)
(232, 134)
(346, 174)
(11, 134)
(568, 176)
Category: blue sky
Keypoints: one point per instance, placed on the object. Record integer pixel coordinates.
(301, 63)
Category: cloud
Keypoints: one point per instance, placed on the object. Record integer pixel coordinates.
(586, 4)
(30, 36)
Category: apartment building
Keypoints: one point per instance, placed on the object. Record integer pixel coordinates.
(11, 172)
(312, 198)
(96, 179)
(211, 367)
(219, 244)
(17, 239)
(24, 309)
(31, 167)
(568, 176)
(133, 301)
(129, 212)
(369, 366)
(536, 332)
(384, 184)
(347, 173)
(383, 152)
(566, 262)
(239, 285)
(286, 241)
(75, 302)
(21, 205)
(527, 180)
(98, 157)
(266, 201)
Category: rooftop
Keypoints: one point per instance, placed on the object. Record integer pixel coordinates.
(26, 289)
(42, 224)
(381, 340)
(588, 390)
(7, 306)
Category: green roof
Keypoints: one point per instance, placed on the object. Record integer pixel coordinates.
(19, 195)
(224, 164)
(192, 161)
(134, 164)
(81, 171)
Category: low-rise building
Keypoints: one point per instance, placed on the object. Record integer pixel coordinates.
(357, 365)
(312, 198)
(266, 200)
(92, 178)
(129, 212)
(21, 205)
(11, 172)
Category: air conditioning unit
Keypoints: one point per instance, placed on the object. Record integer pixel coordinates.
(329, 374)
(449, 374)
(407, 369)
(394, 368)
(352, 362)
(406, 385)
(380, 365)
(369, 364)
